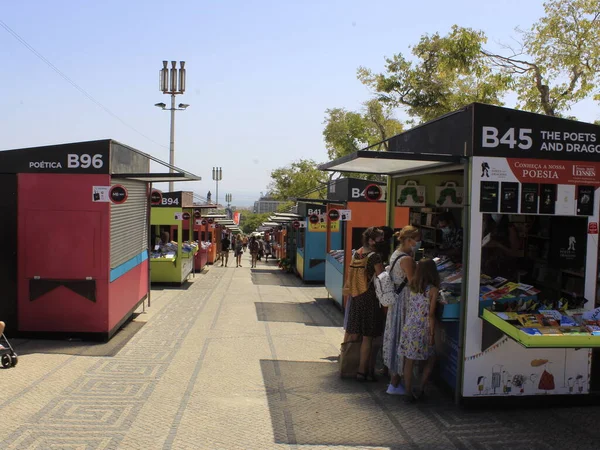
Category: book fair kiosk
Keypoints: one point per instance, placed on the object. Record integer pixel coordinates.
(173, 261)
(309, 235)
(212, 234)
(518, 311)
(202, 234)
(76, 218)
(358, 204)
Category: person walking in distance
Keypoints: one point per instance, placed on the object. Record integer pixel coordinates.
(238, 250)
(225, 244)
(253, 245)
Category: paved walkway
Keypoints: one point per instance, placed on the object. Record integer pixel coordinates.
(242, 359)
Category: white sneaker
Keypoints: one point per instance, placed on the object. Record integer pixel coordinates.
(395, 390)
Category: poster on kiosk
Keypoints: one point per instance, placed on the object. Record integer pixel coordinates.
(538, 177)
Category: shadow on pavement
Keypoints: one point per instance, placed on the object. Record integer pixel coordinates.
(311, 405)
(293, 312)
(79, 347)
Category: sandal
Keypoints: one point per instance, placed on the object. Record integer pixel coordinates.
(361, 377)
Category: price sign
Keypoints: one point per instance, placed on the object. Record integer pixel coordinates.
(118, 194)
(373, 193)
(334, 215)
(155, 197)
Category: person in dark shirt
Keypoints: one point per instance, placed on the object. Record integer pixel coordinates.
(225, 244)
(452, 237)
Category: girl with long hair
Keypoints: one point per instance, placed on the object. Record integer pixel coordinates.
(417, 339)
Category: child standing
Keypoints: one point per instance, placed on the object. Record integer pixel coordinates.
(416, 341)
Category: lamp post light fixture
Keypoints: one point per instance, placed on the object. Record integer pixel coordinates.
(217, 175)
(228, 199)
(172, 82)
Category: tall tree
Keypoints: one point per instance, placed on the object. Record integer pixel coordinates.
(557, 64)
(347, 131)
(301, 178)
(449, 72)
(251, 221)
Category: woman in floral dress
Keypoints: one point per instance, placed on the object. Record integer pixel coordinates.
(416, 341)
(401, 272)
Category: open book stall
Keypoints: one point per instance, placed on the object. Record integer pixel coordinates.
(309, 238)
(355, 204)
(172, 261)
(201, 235)
(77, 217)
(517, 313)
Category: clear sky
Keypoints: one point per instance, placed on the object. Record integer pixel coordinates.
(260, 73)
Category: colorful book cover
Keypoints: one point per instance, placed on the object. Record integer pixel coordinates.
(594, 329)
(550, 331)
(547, 321)
(566, 321)
(531, 331)
(530, 320)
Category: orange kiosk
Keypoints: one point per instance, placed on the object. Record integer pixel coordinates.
(361, 204)
(210, 231)
(201, 234)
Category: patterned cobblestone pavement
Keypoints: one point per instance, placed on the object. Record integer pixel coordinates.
(242, 359)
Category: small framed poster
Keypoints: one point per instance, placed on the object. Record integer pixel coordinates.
(410, 194)
(449, 195)
(488, 200)
(547, 198)
(509, 201)
(585, 200)
(529, 198)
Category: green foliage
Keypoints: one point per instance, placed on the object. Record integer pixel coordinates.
(562, 57)
(448, 73)
(348, 131)
(251, 221)
(301, 178)
(556, 65)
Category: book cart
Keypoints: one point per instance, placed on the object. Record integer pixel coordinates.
(76, 217)
(360, 204)
(518, 315)
(175, 263)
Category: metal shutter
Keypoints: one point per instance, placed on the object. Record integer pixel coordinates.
(128, 223)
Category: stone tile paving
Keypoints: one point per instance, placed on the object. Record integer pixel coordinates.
(244, 359)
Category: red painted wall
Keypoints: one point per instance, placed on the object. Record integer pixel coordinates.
(63, 235)
(125, 292)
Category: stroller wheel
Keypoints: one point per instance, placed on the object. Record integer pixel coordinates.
(6, 361)
(15, 359)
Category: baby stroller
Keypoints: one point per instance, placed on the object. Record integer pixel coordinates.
(7, 354)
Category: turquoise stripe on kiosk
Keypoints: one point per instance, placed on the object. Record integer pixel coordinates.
(121, 270)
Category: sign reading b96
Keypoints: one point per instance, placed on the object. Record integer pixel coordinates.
(84, 161)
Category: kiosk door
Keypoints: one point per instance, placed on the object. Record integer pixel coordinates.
(8, 254)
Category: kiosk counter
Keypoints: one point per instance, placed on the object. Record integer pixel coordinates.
(78, 219)
(518, 313)
(172, 262)
(360, 204)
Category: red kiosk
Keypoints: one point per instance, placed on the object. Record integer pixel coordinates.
(201, 234)
(75, 219)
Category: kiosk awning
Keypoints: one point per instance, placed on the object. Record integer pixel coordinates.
(158, 177)
(390, 163)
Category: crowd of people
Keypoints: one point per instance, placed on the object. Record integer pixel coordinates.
(407, 325)
(259, 248)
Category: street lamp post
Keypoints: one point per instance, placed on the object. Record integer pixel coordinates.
(229, 211)
(228, 199)
(172, 82)
(217, 175)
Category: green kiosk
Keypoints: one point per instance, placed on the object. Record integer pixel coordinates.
(172, 261)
